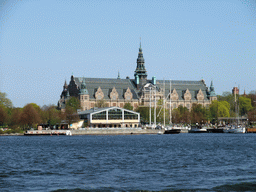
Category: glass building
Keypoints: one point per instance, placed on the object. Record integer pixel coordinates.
(112, 117)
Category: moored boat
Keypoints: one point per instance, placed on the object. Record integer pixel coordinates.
(234, 129)
(172, 130)
(198, 130)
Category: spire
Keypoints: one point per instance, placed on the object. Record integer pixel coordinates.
(83, 90)
(140, 69)
(212, 92)
(118, 77)
(65, 87)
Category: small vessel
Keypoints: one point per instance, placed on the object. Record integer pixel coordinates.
(172, 130)
(215, 130)
(234, 129)
(68, 133)
(198, 130)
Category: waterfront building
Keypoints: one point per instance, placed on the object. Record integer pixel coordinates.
(112, 117)
(138, 91)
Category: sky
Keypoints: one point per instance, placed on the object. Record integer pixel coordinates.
(44, 42)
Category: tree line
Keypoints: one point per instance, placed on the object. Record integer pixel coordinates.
(31, 115)
(227, 105)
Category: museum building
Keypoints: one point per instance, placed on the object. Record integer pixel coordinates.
(139, 91)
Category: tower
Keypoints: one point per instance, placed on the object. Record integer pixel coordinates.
(212, 95)
(84, 96)
(140, 73)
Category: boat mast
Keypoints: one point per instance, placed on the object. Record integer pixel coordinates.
(155, 109)
(236, 109)
(150, 106)
(164, 103)
(170, 102)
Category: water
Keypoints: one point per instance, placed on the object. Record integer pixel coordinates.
(183, 162)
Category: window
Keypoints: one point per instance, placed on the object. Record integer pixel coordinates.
(99, 116)
(114, 114)
(129, 115)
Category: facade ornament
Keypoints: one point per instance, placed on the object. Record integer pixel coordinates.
(200, 95)
(128, 94)
(187, 95)
(99, 95)
(114, 94)
(174, 95)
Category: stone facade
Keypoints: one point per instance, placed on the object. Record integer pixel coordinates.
(104, 92)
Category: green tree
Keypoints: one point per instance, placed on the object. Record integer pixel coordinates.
(71, 115)
(128, 106)
(5, 101)
(219, 109)
(73, 102)
(51, 115)
(244, 105)
(144, 114)
(198, 114)
(101, 103)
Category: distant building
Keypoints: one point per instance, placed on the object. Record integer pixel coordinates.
(140, 91)
(235, 90)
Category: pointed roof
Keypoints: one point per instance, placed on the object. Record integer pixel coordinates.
(140, 69)
(83, 90)
(212, 92)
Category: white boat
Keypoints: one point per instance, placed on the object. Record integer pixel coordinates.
(197, 130)
(234, 129)
(68, 133)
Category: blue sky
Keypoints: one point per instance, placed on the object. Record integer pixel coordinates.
(42, 42)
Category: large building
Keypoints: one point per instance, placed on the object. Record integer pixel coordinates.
(139, 91)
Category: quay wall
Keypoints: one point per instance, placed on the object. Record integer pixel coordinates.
(114, 131)
(99, 131)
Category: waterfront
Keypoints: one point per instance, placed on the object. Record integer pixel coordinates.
(185, 162)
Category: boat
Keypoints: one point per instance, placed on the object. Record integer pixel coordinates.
(198, 130)
(172, 130)
(215, 130)
(234, 129)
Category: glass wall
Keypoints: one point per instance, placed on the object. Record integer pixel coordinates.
(99, 116)
(128, 115)
(114, 114)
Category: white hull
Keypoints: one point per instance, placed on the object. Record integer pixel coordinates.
(234, 129)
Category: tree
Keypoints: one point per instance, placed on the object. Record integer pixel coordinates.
(219, 109)
(181, 115)
(128, 106)
(51, 115)
(70, 115)
(144, 113)
(73, 102)
(198, 114)
(15, 121)
(3, 115)
(100, 103)
(5, 101)
(29, 117)
(244, 105)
